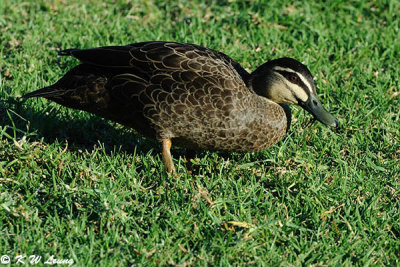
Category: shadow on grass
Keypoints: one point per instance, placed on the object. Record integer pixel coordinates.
(80, 129)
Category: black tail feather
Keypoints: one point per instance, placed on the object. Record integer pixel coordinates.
(67, 52)
(44, 92)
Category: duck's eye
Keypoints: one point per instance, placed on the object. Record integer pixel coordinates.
(293, 78)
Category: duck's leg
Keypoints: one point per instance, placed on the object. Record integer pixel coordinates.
(167, 158)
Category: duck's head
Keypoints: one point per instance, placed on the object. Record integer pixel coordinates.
(287, 81)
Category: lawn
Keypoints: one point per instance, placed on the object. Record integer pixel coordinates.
(76, 187)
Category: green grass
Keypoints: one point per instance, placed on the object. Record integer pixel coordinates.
(78, 187)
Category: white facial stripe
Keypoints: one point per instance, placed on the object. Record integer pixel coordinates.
(297, 90)
(302, 78)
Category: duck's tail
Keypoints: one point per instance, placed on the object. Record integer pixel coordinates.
(67, 52)
(46, 92)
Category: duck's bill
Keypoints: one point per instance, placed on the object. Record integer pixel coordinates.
(314, 106)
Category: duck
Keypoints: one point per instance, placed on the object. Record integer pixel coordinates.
(188, 95)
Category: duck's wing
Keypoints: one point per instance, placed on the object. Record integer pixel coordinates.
(126, 71)
(163, 72)
(144, 56)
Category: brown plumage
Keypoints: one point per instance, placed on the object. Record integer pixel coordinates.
(189, 95)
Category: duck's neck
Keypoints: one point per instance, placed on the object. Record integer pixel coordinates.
(261, 83)
(288, 113)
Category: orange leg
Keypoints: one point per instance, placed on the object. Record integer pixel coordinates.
(167, 158)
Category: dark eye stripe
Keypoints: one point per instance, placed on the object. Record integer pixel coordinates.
(299, 82)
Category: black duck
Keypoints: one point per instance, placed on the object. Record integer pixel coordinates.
(188, 95)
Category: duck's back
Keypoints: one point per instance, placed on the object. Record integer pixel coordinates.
(193, 95)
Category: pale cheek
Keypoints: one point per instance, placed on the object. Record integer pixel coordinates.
(299, 92)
